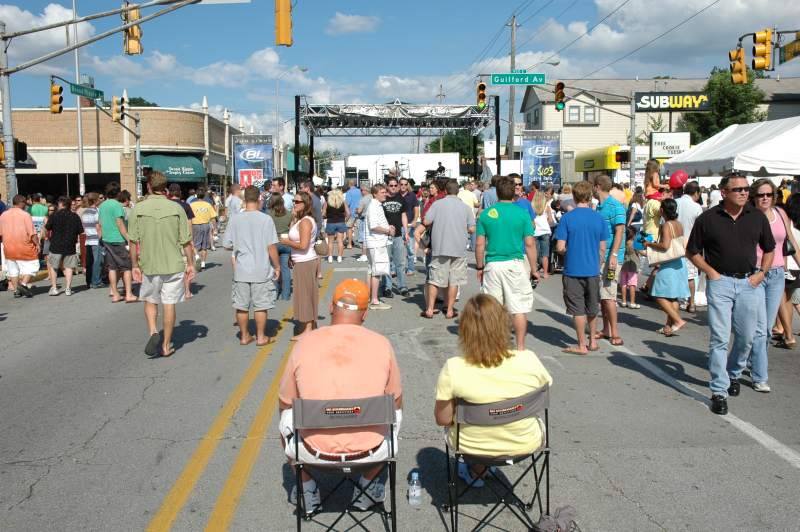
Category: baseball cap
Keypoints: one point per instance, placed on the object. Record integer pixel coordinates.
(678, 179)
(351, 294)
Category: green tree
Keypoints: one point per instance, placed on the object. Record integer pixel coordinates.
(138, 101)
(456, 141)
(730, 104)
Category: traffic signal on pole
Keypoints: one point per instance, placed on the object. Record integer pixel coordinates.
(762, 50)
(559, 96)
(283, 23)
(117, 108)
(55, 98)
(133, 36)
(481, 95)
(738, 68)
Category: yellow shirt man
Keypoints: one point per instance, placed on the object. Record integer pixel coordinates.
(203, 212)
(468, 198)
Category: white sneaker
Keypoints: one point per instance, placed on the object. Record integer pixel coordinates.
(330, 259)
(339, 258)
(202, 265)
(379, 306)
(54, 291)
(67, 291)
(762, 387)
(362, 258)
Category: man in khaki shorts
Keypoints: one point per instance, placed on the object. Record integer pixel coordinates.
(505, 240)
(450, 222)
(160, 228)
(613, 213)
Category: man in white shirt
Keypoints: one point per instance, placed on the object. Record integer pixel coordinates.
(686, 196)
(378, 237)
(714, 197)
(233, 203)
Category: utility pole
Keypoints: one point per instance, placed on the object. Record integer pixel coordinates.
(632, 176)
(511, 88)
(8, 134)
(78, 107)
(440, 96)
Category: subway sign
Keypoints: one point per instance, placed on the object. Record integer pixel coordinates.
(679, 102)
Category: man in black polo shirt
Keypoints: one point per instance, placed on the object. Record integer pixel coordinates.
(395, 210)
(723, 245)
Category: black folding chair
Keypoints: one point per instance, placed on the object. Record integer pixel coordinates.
(532, 405)
(346, 413)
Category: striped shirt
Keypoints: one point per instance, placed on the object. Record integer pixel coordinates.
(90, 221)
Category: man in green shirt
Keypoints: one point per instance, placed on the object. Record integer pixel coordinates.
(502, 229)
(114, 236)
(160, 228)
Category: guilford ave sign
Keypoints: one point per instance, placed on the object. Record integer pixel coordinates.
(518, 77)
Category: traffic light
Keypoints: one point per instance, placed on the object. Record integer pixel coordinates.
(283, 23)
(55, 98)
(762, 50)
(117, 108)
(133, 36)
(559, 96)
(481, 95)
(738, 68)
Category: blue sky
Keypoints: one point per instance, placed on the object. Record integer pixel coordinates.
(371, 51)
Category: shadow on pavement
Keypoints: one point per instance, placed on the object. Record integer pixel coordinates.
(432, 468)
(631, 319)
(186, 332)
(673, 369)
(558, 316)
(691, 356)
(550, 335)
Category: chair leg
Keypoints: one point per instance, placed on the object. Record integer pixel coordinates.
(450, 487)
(393, 487)
(299, 496)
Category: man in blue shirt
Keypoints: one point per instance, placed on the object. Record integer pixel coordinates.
(581, 237)
(489, 197)
(613, 213)
(352, 198)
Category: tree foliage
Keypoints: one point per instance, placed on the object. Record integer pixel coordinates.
(730, 104)
(455, 141)
(138, 101)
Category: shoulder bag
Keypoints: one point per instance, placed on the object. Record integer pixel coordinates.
(677, 249)
(788, 248)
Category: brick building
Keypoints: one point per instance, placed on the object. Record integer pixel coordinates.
(189, 146)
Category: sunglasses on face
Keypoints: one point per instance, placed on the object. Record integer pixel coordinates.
(740, 190)
(299, 202)
(765, 195)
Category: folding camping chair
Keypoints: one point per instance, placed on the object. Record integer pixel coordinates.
(346, 413)
(532, 405)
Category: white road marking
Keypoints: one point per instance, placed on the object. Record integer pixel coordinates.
(761, 437)
(411, 338)
(351, 269)
(554, 359)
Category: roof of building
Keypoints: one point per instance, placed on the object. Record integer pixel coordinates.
(775, 89)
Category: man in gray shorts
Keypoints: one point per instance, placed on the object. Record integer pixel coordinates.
(64, 226)
(252, 237)
(160, 228)
(451, 223)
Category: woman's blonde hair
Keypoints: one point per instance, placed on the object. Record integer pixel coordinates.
(566, 189)
(335, 198)
(483, 332)
(539, 203)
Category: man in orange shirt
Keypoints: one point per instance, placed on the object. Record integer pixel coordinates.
(341, 361)
(20, 247)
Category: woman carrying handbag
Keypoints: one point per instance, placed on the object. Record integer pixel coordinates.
(672, 279)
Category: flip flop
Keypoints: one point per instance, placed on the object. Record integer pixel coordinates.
(664, 331)
(151, 349)
(270, 340)
(424, 314)
(455, 315)
(120, 300)
(616, 340)
(595, 348)
(575, 350)
(601, 336)
(674, 329)
(248, 342)
(783, 344)
(132, 300)
(165, 354)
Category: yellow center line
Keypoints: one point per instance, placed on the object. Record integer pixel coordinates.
(228, 500)
(179, 494)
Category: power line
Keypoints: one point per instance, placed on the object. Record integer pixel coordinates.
(537, 12)
(620, 6)
(551, 21)
(651, 41)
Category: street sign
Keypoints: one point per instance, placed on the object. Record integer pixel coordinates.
(86, 92)
(518, 78)
(789, 51)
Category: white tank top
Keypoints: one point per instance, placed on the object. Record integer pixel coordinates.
(540, 224)
(294, 236)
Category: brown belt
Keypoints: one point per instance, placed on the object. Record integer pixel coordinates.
(341, 457)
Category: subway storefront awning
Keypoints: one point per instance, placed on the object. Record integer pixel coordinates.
(177, 168)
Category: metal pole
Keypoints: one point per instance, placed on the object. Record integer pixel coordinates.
(311, 155)
(296, 138)
(97, 127)
(138, 135)
(8, 134)
(277, 128)
(78, 107)
(497, 131)
(475, 156)
(440, 96)
(511, 88)
(632, 176)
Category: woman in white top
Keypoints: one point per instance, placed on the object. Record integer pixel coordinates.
(302, 235)
(542, 227)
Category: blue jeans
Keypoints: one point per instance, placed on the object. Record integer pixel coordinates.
(731, 303)
(285, 283)
(774, 283)
(410, 249)
(94, 265)
(397, 257)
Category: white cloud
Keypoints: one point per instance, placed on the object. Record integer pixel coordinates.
(37, 44)
(342, 24)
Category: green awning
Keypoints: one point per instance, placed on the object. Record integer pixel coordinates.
(177, 168)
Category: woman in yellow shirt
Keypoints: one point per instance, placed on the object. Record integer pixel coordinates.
(488, 371)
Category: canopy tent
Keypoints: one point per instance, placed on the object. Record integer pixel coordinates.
(177, 168)
(762, 148)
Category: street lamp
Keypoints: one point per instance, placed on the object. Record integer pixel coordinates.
(279, 163)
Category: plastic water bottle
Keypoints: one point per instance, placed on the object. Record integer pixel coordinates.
(415, 490)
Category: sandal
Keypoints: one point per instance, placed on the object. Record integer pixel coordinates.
(616, 341)
(783, 344)
(666, 331)
(601, 336)
(575, 350)
(425, 315)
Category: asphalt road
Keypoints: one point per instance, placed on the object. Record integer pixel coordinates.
(96, 436)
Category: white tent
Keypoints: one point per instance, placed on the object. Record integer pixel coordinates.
(760, 148)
